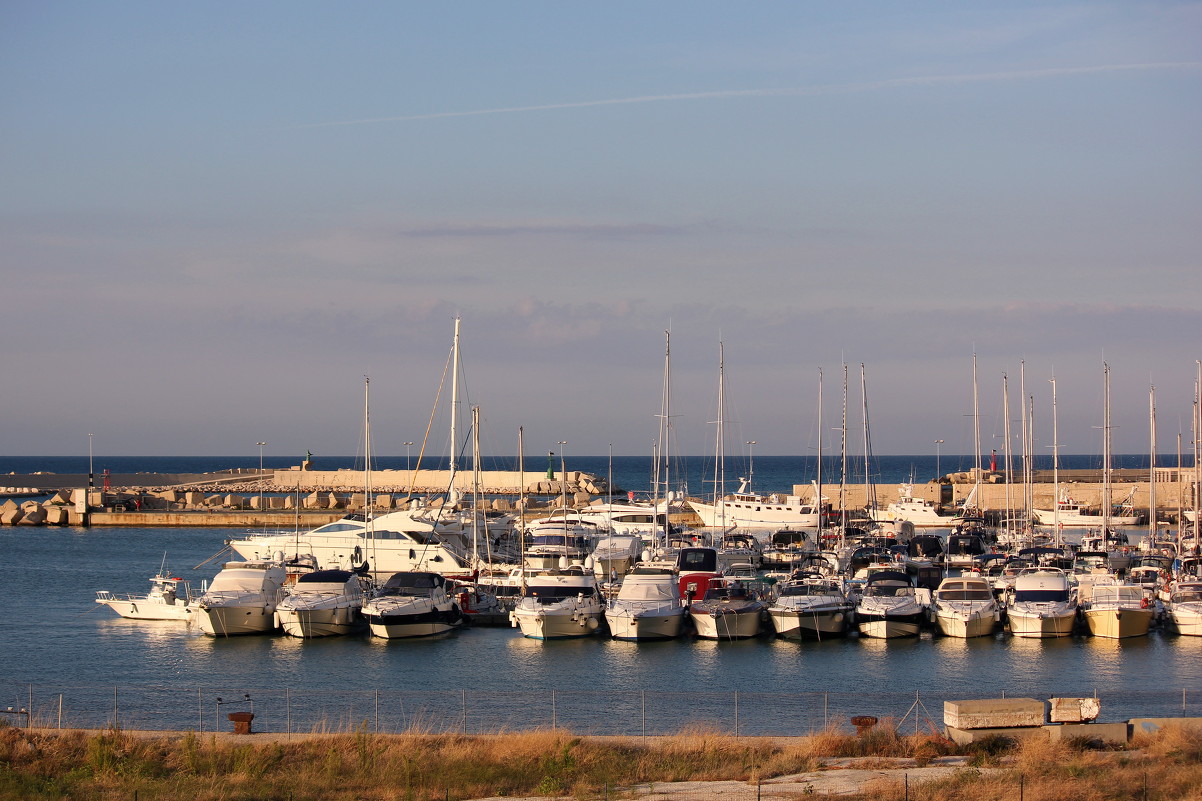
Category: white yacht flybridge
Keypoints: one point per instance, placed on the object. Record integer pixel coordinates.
(394, 542)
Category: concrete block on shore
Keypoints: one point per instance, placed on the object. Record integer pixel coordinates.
(1015, 733)
(194, 498)
(33, 515)
(276, 502)
(60, 498)
(170, 496)
(385, 501)
(11, 514)
(993, 713)
(1153, 725)
(233, 501)
(358, 500)
(1074, 710)
(1092, 732)
(316, 500)
(56, 515)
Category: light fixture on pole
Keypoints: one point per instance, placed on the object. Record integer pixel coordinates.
(91, 473)
(261, 482)
(563, 471)
(938, 475)
(408, 445)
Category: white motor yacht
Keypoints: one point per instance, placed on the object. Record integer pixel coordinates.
(811, 605)
(558, 604)
(242, 599)
(1116, 611)
(918, 511)
(558, 545)
(648, 606)
(746, 510)
(615, 554)
(727, 611)
(1041, 604)
(412, 603)
(965, 607)
(324, 603)
(891, 606)
(1185, 608)
(169, 598)
(390, 543)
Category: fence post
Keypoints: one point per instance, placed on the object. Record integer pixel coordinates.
(377, 710)
(736, 714)
(60, 710)
(644, 694)
(29, 717)
(116, 723)
(200, 715)
(554, 720)
(1182, 700)
(463, 702)
(826, 721)
(288, 712)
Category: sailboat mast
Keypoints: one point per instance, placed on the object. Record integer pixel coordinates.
(720, 436)
(1026, 444)
(843, 460)
(454, 412)
(868, 482)
(367, 499)
(665, 429)
(1151, 464)
(1106, 499)
(818, 479)
(1055, 467)
(976, 435)
(1006, 435)
(522, 506)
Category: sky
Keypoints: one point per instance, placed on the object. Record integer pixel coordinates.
(217, 218)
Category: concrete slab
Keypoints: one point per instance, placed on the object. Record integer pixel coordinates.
(994, 713)
(1153, 725)
(1015, 733)
(1100, 732)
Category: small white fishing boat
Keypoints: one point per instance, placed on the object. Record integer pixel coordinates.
(727, 611)
(891, 606)
(811, 605)
(169, 598)
(1185, 608)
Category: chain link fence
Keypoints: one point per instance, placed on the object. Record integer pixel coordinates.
(625, 713)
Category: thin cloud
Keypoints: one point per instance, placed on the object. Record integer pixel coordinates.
(866, 86)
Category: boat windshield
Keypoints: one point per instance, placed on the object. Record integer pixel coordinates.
(888, 590)
(1041, 596)
(551, 593)
(808, 589)
(964, 595)
(1187, 596)
(558, 541)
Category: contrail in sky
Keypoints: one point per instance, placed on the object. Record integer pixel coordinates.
(928, 80)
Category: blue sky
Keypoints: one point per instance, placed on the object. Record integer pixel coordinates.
(218, 217)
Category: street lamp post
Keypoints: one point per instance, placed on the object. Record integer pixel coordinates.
(261, 482)
(91, 474)
(408, 445)
(563, 472)
(750, 463)
(938, 474)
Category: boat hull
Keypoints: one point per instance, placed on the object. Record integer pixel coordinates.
(553, 625)
(889, 626)
(320, 622)
(142, 609)
(230, 621)
(1041, 625)
(1187, 622)
(966, 626)
(1118, 624)
(802, 624)
(645, 626)
(726, 625)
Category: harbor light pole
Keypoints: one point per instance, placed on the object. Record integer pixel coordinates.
(261, 482)
(938, 475)
(563, 472)
(91, 474)
(408, 445)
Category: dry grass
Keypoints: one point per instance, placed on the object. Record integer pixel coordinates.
(426, 767)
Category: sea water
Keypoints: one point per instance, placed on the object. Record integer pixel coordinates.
(71, 654)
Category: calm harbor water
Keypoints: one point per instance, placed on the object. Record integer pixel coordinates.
(54, 641)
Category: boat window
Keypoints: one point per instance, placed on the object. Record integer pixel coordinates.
(888, 591)
(555, 592)
(1186, 596)
(331, 528)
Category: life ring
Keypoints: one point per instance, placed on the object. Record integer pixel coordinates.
(464, 601)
